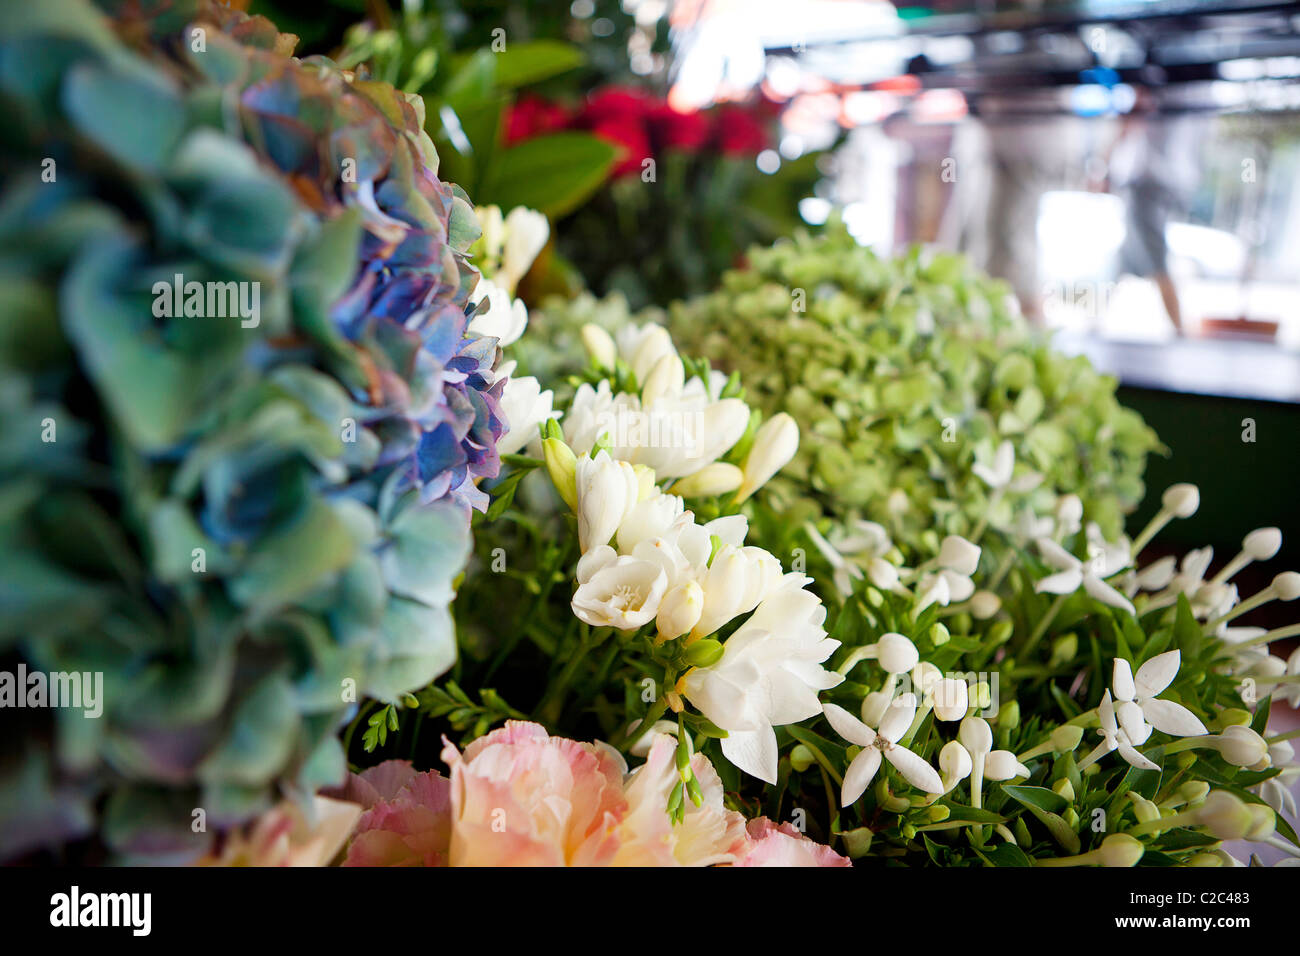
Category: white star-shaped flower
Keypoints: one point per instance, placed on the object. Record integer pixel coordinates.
(1139, 706)
(880, 743)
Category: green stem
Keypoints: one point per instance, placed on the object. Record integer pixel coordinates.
(1044, 623)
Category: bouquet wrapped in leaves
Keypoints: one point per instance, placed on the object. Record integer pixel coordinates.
(242, 417)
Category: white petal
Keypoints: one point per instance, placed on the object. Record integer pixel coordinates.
(753, 751)
(1122, 680)
(1158, 673)
(1057, 556)
(859, 776)
(1106, 713)
(898, 717)
(1132, 722)
(848, 726)
(1133, 757)
(915, 770)
(1173, 719)
(1101, 591)
(1064, 582)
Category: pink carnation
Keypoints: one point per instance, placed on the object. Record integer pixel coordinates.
(771, 845)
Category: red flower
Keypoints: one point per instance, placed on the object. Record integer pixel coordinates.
(738, 132)
(630, 136)
(673, 130)
(621, 103)
(533, 116)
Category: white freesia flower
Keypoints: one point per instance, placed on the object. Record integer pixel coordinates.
(505, 318)
(526, 232)
(769, 675)
(734, 584)
(607, 490)
(599, 345)
(1106, 560)
(775, 444)
(624, 593)
(719, 478)
(648, 519)
(642, 346)
(881, 744)
(525, 406)
(681, 434)
(1138, 704)
(680, 610)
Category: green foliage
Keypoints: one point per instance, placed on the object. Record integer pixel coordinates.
(877, 358)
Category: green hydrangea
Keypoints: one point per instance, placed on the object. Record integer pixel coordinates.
(902, 374)
(244, 526)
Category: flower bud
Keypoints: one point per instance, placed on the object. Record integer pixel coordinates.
(1065, 648)
(666, 378)
(958, 554)
(561, 465)
(1066, 737)
(607, 488)
(939, 635)
(1226, 816)
(1193, 791)
(1241, 746)
(801, 758)
(1120, 849)
(954, 763)
(680, 611)
(984, 604)
(1003, 765)
(718, 478)
(951, 699)
(1000, 632)
(1263, 822)
(896, 654)
(599, 345)
(1287, 585)
(645, 482)
(975, 735)
(704, 653)
(1009, 715)
(1143, 809)
(775, 443)
(1064, 788)
(1233, 716)
(1181, 500)
(1262, 543)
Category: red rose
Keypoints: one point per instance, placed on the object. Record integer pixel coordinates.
(621, 103)
(630, 136)
(738, 132)
(533, 116)
(673, 130)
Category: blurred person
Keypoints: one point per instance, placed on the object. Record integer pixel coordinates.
(1152, 167)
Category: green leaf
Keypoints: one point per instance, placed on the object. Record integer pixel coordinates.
(1037, 797)
(523, 63)
(1187, 633)
(552, 174)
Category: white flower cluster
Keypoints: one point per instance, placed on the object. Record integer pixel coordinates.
(505, 252)
(646, 560)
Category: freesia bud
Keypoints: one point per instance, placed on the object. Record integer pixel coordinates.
(654, 345)
(719, 478)
(680, 610)
(599, 345)
(561, 465)
(645, 482)
(666, 378)
(1262, 543)
(704, 653)
(1181, 500)
(775, 443)
(958, 554)
(1120, 849)
(607, 489)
